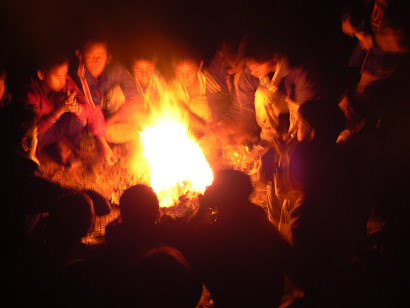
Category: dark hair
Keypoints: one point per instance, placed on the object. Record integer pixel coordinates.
(16, 122)
(152, 57)
(183, 51)
(167, 279)
(102, 206)
(141, 52)
(231, 182)
(261, 45)
(139, 204)
(145, 50)
(90, 42)
(48, 63)
(71, 218)
(230, 46)
(358, 14)
(178, 58)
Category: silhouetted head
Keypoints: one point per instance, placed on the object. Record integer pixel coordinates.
(19, 129)
(167, 280)
(230, 189)
(139, 205)
(101, 205)
(71, 218)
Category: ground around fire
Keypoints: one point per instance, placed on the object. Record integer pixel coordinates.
(94, 173)
(111, 181)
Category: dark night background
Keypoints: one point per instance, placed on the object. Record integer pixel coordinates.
(31, 28)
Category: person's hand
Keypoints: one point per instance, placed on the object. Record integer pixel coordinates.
(366, 40)
(267, 83)
(71, 102)
(68, 103)
(343, 136)
(109, 156)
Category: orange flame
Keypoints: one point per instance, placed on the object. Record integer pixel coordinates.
(177, 163)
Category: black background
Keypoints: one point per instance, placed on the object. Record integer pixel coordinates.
(31, 28)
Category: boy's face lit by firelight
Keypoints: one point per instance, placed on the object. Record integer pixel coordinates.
(55, 78)
(143, 71)
(186, 72)
(95, 58)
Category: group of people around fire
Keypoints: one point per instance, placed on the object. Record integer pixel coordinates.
(334, 166)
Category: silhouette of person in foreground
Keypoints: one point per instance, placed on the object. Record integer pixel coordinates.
(135, 229)
(241, 256)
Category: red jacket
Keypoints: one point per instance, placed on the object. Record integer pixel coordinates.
(92, 115)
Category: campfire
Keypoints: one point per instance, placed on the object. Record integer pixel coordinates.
(169, 159)
(177, 164)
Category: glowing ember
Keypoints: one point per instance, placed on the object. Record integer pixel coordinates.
(177, 163)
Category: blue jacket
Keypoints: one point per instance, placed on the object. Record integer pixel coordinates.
(114, 74)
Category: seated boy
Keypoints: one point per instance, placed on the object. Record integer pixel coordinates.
(207, 89)
(189, 89)
(283, 86)
(63, 111)
(221, 74)
(107, 85)
(150, 83)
